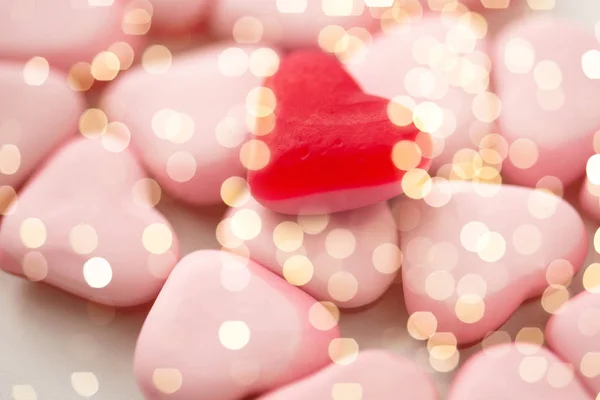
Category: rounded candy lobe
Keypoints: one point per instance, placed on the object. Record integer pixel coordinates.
(516, 372)
(436, 73)
(227, 328)
(472, 260)
(545, 81)
(77, 226)
(573, 333)
(36, 115)
(188, 124)
(373, 375)
(347, 258)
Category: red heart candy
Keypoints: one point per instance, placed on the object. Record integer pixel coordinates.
(331, 147)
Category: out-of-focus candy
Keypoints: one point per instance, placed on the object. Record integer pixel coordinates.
(547, 78)
(224, 327)
(447, 5)
(522, 371)
(64, 32)
(589, 199)
(289, 23)
(574, 332)
(37, 112)
(85, 224)
(188, 120)
(169, 16)
(474, 252)
(321, 145)
(436, 73)
(370, 375)
(347, 258)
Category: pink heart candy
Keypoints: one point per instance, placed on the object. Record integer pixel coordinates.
(188, 124)
(63, 31)
(422, 67)
(289, 23)
(371, 375)
(574, 332)
(37, 112)
(348, 258)
(522, 371)
(223, 327)
(85, 224)
(547, 80)
(474, 252)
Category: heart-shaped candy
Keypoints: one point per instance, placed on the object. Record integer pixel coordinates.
(348, 258)
(474, 252)
(224, 327)
(521, 371)
(574, 332)
(439, 70)
(37, 112)
(548, 80)
(189, 137)
(322, 145)
(85, 224)
(365, 376)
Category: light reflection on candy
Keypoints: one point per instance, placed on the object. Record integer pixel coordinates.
(167, 380)
(105, 66)
(35, 266)
(157, 59)
(137, 18)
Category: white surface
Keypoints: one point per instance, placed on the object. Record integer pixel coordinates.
(47, 335)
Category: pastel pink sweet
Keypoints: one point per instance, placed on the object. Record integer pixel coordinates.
(448, 95)
(574, 335)
(372, 375)
(224, 327)
(474, 252)
(516, 371)
(289, 23)
(178, 16)
(187, 124)
(36, 114)
(64, 32)
(85, 224)
(348, 258)
(546, 79)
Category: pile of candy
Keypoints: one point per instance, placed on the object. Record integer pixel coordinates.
(348, 138)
